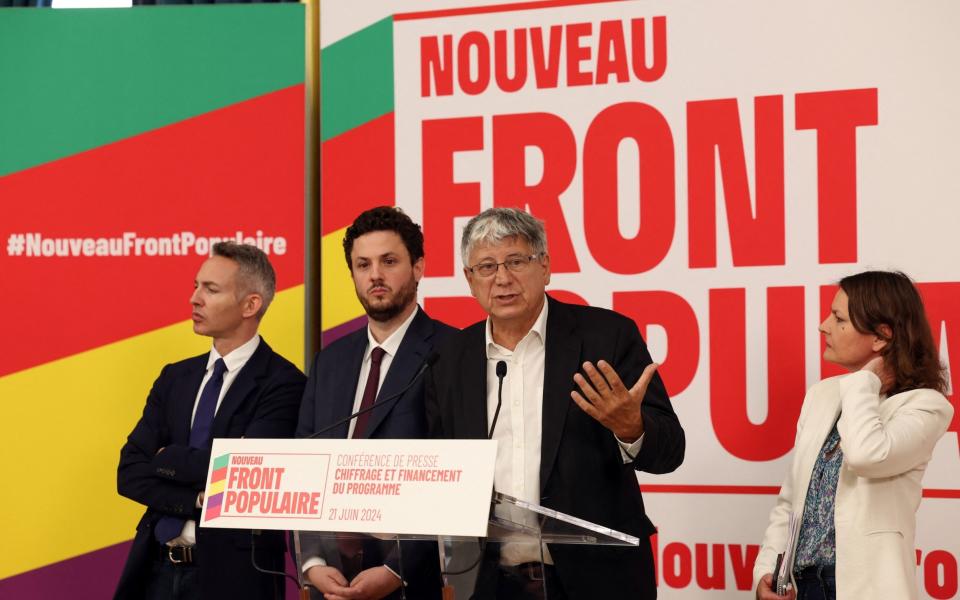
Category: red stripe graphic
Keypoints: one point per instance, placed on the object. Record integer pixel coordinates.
(357, 173)
(238, 168)
(493, 8)
(653, 488)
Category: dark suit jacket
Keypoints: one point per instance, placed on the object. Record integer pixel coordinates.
(328, 398)
(581, 469)
(261, 403)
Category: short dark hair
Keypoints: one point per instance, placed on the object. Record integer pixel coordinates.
(255, 274)
(385, 218)
(890, 298)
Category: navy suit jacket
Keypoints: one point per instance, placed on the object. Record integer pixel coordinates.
(261, 403)
(582, 472)
(328, 398)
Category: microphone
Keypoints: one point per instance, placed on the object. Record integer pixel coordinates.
(429, 362)
(501, 373)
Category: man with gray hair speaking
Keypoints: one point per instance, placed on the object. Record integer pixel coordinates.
(582, 409)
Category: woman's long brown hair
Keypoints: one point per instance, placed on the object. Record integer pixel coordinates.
(890, 298)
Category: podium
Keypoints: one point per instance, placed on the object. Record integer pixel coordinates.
(353, 503)
(515, 529)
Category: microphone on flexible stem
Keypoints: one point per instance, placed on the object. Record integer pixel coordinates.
(501, 373)
(429, 362)
(254, 533)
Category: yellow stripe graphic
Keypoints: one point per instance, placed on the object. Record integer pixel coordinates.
(338, 299)
(62, 425)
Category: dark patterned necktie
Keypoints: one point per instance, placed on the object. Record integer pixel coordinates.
(369, 391)
(351, 546)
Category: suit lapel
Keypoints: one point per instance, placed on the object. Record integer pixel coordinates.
(340, 398)
(472, 393)
(185, 396)
(245, 383)
(411, 353)
(561, 361)
(818, 429)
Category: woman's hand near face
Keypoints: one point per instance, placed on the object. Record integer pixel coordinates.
(878, 367)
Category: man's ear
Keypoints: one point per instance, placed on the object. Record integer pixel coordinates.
(251, 305)
(418, 267)
(545, 261)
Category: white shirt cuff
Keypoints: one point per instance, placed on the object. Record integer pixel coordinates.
(629, 451)
(187, 537)
(316, 561)
(313, 561)
(395, 574)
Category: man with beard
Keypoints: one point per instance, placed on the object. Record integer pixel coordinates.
(384, 252)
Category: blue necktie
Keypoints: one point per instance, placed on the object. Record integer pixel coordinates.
(207, 407)
(169, 528)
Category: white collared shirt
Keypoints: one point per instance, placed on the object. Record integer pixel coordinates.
(390, 347)
(234, 361)
(519, 428)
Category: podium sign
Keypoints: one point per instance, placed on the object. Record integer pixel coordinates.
(417, 487)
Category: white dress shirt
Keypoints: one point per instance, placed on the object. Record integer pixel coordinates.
(390, 347)
(234, 361)
(519, 428)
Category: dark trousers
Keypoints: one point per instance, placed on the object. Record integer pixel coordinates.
(529, 582)
(169, 581)
(817, 583)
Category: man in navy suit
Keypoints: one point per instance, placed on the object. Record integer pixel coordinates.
(384, 251)
(241, 388)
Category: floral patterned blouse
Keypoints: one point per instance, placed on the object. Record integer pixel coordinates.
(817, 544)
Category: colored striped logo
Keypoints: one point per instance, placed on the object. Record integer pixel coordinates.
(218, 481)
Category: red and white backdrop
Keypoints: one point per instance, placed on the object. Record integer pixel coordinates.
(709, 169)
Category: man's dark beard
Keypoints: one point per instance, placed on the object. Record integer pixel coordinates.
(385, 312)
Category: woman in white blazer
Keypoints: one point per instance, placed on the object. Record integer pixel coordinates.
(863, 442)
